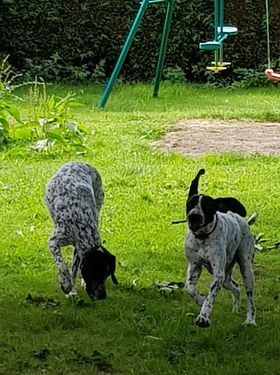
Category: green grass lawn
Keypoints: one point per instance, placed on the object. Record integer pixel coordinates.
(138, 329)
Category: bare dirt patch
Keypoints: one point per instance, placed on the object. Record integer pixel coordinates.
(200, 136)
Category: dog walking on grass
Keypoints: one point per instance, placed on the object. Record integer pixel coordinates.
(218, 238)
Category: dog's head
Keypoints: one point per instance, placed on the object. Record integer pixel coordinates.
(201, 209)
(97, 265)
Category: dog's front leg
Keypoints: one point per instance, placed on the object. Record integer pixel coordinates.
(203, 319)
(55, 242)
(193, 273)
(75, 269)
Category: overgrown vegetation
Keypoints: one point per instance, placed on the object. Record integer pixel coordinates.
(49, 127)
(82, 42)
(141, 328)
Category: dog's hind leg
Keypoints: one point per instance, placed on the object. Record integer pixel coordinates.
(245, 261)
(248, 280)
(55, 242)
(232, 285)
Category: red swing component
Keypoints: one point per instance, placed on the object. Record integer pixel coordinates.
(270, 73)
(273, 76)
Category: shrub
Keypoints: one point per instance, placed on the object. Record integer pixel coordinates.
(82, 42)
(51, 126)
(9, 114)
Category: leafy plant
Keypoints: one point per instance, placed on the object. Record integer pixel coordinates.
(99, 75)
(51, 69)
(53, 125)
(249, 78)
(174, 75)
(9, 114)
(77, 73)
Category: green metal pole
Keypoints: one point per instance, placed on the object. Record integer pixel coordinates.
(216, 54)
(221, 24)
(221, 54)
(164, 40)
(216, 19)
(123, 53)
(221, 15)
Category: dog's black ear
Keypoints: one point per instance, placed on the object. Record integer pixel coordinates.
(194, 184)
(114, 279)
(230, 204)
(112, 268)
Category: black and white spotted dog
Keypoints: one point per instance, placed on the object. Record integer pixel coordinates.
(218, 238)
(74, 197)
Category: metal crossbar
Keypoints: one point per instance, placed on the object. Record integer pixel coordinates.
(135, 25)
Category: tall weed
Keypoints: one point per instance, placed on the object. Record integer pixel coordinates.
(50, 125)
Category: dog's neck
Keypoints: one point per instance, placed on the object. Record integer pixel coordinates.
(204, 232)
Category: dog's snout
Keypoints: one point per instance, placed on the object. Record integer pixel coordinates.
(195, 221)
(100, 293)
(97, 293)
(195, 218)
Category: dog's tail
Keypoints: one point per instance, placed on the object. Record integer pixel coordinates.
(193, 191)
(194, 184)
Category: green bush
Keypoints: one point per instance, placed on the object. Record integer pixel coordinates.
(9, 114)
(51, 126)
(82, 41)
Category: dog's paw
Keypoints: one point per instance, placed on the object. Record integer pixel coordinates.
(202, 322)
(72, 294)
(65, 279)
(250, 321)
(66, 288)
(236, 306)
(73, 297)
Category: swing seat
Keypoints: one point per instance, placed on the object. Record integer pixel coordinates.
(221, 63)
(216, 69)
(229, 30)
(272, 75)
(210, 46)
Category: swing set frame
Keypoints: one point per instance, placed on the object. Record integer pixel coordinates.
(169, 4)
(221, 33)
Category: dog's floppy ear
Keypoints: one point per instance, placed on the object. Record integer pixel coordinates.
(194, 184)
(230, 204)
(112, 269)
(114, 279)
(111, 262)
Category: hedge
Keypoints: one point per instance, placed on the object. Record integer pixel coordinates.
(59, 39)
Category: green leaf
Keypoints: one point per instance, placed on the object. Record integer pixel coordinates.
(76, 105)
(55, 135)
(23, 133)
(51, 102)
(13, 111)
(5, 124)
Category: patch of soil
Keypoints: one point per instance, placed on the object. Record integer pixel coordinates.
(200, 136)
